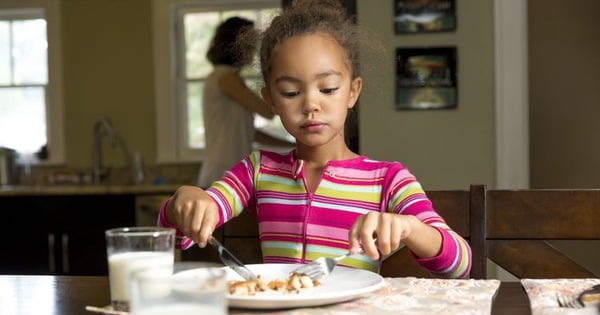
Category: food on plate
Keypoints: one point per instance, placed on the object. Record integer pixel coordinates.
(293, 284)
(591, 298)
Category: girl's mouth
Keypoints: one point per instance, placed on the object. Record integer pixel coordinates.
(313, 126)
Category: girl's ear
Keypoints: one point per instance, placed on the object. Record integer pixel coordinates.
(266, 95)
(355, 89)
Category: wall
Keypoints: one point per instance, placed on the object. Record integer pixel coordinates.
(108, 71)
(443, 148)
(564, 93)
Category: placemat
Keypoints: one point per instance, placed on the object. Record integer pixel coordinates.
(542, 294)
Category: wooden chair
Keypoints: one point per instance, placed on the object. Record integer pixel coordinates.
(457, 207)
(520, 222)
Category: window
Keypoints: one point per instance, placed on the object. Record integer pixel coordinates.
(183, 30)
(30, 97)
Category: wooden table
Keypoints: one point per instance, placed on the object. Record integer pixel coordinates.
(67, 295)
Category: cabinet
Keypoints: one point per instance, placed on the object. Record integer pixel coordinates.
(60, 234)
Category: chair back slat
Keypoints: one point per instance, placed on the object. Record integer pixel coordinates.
(518, 223)
(543, 214)
(534, 259)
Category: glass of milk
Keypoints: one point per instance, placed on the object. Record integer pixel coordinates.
(130, 249)
(193, 288)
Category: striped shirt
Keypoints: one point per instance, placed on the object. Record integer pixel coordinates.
(298, 226)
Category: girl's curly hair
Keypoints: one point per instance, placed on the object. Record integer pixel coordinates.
(311, 16)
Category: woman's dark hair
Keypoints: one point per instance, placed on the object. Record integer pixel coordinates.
(224, 48)
(307, 17)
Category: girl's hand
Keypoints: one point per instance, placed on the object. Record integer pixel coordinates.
(389, 229)
(194, 212)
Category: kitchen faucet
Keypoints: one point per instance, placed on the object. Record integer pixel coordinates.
(103, 127)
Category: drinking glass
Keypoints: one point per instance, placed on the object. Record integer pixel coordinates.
(193, 288)
(133, 248)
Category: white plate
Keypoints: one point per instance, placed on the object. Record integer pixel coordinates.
(343, 284)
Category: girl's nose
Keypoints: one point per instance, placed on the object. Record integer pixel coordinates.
(310, 104)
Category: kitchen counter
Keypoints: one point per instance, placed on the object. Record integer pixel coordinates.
(22, 190)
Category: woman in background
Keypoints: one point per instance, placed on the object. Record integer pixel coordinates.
(228, 104)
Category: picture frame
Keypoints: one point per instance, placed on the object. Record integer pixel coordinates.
(426, 78)
(424, 16)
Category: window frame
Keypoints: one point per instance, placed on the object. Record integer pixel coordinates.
(170, 108)
(54, 87)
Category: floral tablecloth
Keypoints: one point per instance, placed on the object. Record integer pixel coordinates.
(410, 296)
(542, 295)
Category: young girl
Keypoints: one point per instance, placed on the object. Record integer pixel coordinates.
(320, 199)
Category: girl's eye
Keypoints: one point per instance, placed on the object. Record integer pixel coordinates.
(329, 90)
(290, 94)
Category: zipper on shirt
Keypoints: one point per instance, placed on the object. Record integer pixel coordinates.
(309, 198)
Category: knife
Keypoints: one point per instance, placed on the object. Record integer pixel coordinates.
(231, 261)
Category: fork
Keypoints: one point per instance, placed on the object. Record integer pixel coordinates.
(576, 302)
(322, 266)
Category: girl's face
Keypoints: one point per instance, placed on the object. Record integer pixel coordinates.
(310, 87)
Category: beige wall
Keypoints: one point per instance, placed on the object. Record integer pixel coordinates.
(443, 148)
(108, 71)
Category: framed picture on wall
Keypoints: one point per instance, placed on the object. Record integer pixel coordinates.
(424, 16)
(426, 78)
